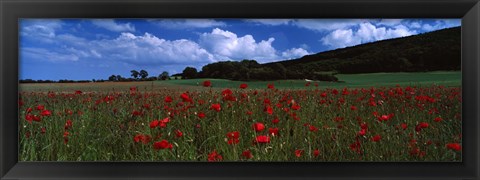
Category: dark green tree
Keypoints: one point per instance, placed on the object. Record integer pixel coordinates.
(190, 73)
(135, 74)
(143, 74)
(163, 76)
(112, 78)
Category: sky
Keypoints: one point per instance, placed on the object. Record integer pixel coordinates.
(86, 49)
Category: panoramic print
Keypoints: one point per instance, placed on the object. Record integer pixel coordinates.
(241, 90)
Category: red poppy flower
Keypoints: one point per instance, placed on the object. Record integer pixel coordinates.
(421, 126)
(136, 113)
(247, 154)
(164, 144)
(324, 94)
(262, 139)
(168, 99)
(316, 152)
(233, 135)
(163, 123)
(273, 131)
(270, 86)
(438, 119)
(216, 107)
(207, 83)
(258, 126)
(233, 141)
(185, 97)
(178, 133)
(78, 92)
(268, 109)
(214, 156)
(376, 138)
(362, 132)
(312, 128)
(295, 106)
(298, 152)
(68, 124)
(46, 113)
(40, 107)
(201, 115)
(353, 108)
(276, 120)
(384, 118)
(29, 118)
(227, 92)
(404, 126)
(37, 118)
(454, 146)
(154, 123)
(145, 139)
(243, 86)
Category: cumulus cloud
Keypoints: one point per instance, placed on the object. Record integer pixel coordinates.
(228, 45)
(111, 25)
(187, 23)
(148, 49)
(294, 53)
(366, 32)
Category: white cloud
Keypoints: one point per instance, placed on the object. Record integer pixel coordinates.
(226, 44)
(40, 29)
(187, 23)
(340, 38)
(149, 49)
(441, 24)
(271, 22)
(366, 32)
(294, 53)
(415, 25)
(111, 25)
(42, 54)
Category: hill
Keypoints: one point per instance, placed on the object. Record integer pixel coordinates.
(434, 51)
(437, 50)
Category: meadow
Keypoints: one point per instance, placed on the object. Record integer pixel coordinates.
(368, 117)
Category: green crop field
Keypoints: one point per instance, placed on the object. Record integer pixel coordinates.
(445, 78)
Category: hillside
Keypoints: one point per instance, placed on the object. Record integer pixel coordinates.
(437, 50)
(433, 51)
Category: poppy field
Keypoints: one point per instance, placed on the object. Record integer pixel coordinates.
(398, 123)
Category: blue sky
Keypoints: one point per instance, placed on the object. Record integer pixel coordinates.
(86, 49)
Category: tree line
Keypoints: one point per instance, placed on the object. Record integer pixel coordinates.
(251, 70)
(141, 75)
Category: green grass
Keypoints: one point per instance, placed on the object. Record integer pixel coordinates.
(445, 78)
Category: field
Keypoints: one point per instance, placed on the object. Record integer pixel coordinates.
(369, 117)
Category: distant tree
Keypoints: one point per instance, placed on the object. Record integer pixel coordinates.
(112, 78)
(190, 73)
(135, 74)
(163, 76)
(120, 78)
(143, 74)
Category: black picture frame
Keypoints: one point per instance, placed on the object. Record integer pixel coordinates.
(11, 11)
